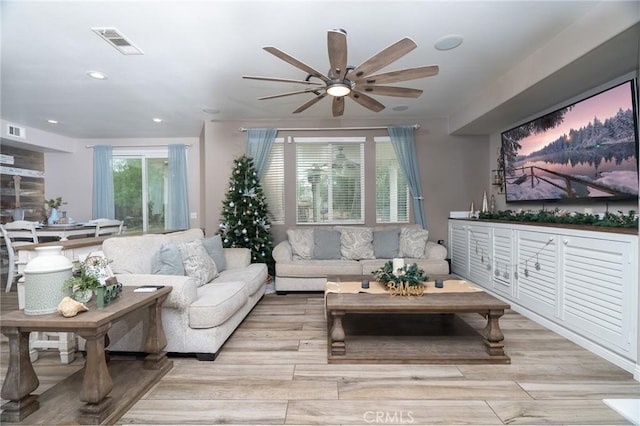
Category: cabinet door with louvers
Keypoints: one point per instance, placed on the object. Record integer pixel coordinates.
(459, 248)
(503, 268)
(536, 272)
(597, 289)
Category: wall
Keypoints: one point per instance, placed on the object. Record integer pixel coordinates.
(452, 167)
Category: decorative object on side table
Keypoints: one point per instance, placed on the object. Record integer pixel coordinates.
(401, 280)
(44, 278)
(88, 276)
(70, 308)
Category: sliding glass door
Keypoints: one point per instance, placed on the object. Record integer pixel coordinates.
(140, 190)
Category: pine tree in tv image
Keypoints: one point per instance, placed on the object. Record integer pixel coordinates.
(587, 150)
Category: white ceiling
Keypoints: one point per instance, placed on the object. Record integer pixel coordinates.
(195, 53)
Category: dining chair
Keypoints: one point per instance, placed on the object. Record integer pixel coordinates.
(108, 226)
(15, 234)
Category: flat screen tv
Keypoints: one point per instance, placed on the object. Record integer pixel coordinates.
(586, 151)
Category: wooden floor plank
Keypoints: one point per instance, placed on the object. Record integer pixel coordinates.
(562, 412)
(382, 412)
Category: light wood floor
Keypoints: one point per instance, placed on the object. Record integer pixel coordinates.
(273, 370)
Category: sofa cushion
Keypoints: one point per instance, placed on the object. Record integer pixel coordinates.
(216, 251)
(317, 268)
(253, 276)
(197, 262)
(356, 242)
(133, 254)
(301, 241)
(326, 244)
(413, 242)
(216, 303)
(386, 244)
(167, 261)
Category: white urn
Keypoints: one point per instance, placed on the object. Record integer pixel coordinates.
(44, 278)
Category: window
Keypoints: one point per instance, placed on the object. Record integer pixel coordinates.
(272, 182)
(392, 191)
(140, 189)
(331, 181)
(329, 177)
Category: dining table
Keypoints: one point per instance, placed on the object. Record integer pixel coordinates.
(66, 230)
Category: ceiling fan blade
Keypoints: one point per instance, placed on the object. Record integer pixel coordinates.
(366, 101)
(337, 107)
(403, 92)
(383, 58)
(310, 103)
(399, 75)
(296, 63)
(283, 80)
(337, 44)
(280, 95)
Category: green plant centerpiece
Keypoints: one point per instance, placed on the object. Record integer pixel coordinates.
(405, 281)
(55, 203)
(87, 276)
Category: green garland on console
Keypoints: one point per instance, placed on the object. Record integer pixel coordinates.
(619, 220)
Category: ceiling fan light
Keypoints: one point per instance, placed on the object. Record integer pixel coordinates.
(339, 89)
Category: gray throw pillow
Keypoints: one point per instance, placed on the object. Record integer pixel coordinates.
(386, 244)
(326, 244)
(167, 261)
(216, 251)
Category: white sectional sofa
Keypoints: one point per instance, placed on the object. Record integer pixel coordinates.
(200, 313)
(304, 260)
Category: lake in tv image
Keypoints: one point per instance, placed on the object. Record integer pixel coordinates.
(587, 150)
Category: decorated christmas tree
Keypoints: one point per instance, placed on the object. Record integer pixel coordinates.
(245, 221)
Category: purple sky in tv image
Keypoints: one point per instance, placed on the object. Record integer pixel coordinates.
(603, 105)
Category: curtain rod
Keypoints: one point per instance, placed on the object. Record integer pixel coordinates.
(304, 129)
(188, 145)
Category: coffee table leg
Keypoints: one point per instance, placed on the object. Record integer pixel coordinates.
(492, 333)
(156, 339)
(20, 380)
(337, 336)
(97, 382)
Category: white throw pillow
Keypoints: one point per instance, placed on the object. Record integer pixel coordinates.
(197, 262)
(301, 241)
(356, 243)
(413, 242)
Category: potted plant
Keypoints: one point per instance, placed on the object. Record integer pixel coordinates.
(86, 278)
(53, 205)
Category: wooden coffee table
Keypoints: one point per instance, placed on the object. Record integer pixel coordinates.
(91, 396)
(379, 328)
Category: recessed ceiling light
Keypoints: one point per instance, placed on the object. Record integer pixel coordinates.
(52, 121)
(400, 108)
(98, 75)
(158, 120)
(448, 42)
(211, 110)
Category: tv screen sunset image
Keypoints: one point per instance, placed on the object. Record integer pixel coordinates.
(587, 150)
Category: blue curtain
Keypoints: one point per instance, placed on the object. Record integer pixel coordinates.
(259, 143)
(178, 200)
(405, 149)
(103, 198)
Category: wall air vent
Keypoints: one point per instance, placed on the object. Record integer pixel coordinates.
(16, 132)
(117, 40)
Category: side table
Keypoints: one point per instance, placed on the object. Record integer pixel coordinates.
(97, 407)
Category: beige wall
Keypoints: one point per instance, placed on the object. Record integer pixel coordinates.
(453, 168)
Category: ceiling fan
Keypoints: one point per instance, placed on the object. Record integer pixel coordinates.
(344, 80)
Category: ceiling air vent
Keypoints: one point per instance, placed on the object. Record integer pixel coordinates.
(16, 132)
(117, 40)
